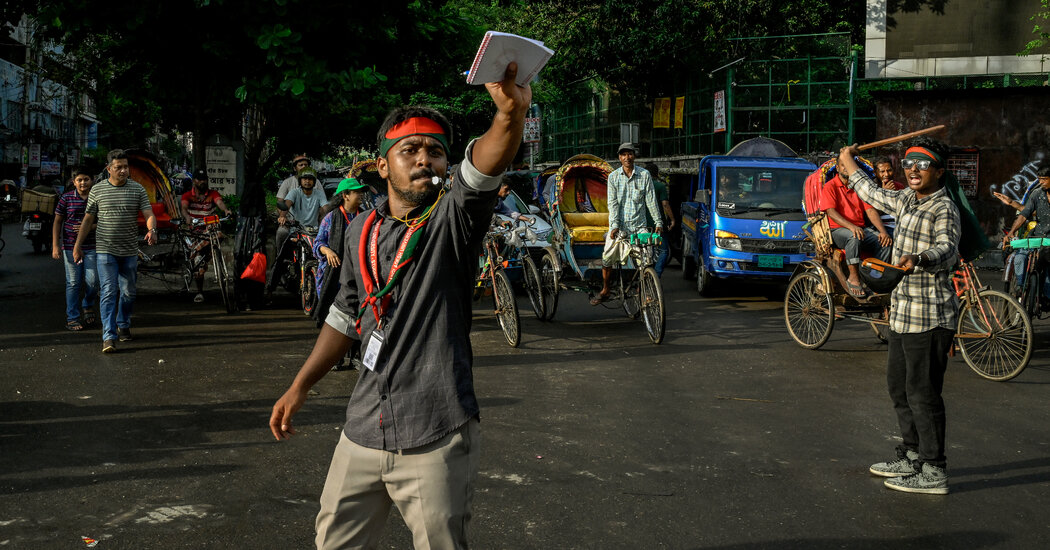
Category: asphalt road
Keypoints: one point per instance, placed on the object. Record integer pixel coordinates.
(728, 435)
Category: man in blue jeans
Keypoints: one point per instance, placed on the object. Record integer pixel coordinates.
(114, 204)
(81, 278)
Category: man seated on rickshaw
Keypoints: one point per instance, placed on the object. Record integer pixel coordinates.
(846, 218)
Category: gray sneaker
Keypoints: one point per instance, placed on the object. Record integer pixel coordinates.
(902, 466)
(932, 480)
(124, 334)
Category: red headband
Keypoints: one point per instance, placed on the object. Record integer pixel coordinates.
(924, 151)
(413, 126)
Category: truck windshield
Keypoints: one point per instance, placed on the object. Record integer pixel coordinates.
(757, 193)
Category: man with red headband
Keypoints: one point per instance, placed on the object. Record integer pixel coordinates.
(411, 437)
(923, 310)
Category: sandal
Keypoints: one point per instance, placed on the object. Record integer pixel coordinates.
(857, 291)
(600, 298)
(74, 325)
(89, 317)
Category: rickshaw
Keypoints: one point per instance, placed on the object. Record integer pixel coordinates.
(579, 216)
(169, 261)
(994, 334)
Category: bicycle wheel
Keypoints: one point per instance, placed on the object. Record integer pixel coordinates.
(630, 291)
(808, 311)
(309, 287)
(533, 286)
(506, 308)
(652, 304)
(550, 277)
(222, 279)
(995, 336)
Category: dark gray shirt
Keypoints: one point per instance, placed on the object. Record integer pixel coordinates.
(1039, 205)
(422, 388)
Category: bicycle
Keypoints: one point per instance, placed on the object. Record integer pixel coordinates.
(640, 290)
(175, 258)
(220, 268)
(1031, 294)
(993, 331)
(303, 265)
(518, 257)
(493, 275)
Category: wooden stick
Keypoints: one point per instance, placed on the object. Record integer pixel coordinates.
(901, 137)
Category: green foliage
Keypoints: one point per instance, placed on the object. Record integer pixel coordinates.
(1042, 33)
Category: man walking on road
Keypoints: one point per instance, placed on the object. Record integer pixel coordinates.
(411, 436)
(923, 311)
(631, 197)
(115, 205)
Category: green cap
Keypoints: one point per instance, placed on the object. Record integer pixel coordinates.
(308, 173)
(349, 184)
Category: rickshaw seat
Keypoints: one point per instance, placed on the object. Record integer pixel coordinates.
(161, 213)
(586, 227)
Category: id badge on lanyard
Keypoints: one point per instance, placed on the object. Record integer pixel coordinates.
(375, 344)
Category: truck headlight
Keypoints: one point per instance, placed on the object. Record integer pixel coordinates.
(728, 241)
(807, 247)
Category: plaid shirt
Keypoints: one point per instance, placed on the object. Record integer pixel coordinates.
(925, 299)
(629, 198)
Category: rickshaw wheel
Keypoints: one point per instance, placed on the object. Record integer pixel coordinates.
(533, 286)
(223, 280)
(652, 302)
(506, 308)
(808, 311)
(309, 290)
(550, 276)
(630, 292)
(1007, 348)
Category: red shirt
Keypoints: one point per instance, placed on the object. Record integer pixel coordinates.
(845, 201)
(200, 205)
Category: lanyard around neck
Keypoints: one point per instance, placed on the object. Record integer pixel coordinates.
(368, 257)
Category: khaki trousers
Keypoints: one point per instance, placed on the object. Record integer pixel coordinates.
(432, 486)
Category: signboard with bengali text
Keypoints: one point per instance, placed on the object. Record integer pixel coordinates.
(221, 162)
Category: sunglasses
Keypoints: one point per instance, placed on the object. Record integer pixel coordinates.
(920, 164)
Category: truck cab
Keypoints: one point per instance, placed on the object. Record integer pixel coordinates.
(745, 220)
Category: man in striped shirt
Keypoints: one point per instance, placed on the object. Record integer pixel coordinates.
(115, 204)
(923, 311)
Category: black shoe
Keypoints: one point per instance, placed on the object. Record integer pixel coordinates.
(109, 346)
(124, 334)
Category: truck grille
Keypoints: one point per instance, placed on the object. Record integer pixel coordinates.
(770, 246)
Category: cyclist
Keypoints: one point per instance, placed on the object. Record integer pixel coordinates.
(631, 195)
(197, 203)
(303, 204)
(1037, 207)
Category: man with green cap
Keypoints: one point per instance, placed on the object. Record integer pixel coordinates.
(351, 193)
(304, 206)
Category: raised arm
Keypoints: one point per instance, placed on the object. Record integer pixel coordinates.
(495, 150)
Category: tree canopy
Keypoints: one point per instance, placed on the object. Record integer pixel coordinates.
(313, 75)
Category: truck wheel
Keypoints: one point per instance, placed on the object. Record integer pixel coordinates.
(688, 263)
(705, 282)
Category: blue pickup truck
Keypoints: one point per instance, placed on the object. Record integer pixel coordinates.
(745, 220)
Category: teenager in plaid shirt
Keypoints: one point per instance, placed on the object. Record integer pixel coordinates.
(923, 310)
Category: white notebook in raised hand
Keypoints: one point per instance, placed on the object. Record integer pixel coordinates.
(499, 49)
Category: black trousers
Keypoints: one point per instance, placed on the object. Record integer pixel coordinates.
(915, 378)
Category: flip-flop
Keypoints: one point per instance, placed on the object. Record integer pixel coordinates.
(856, 291)
(74, 325)
(599, 299)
